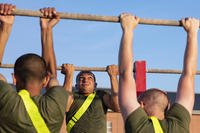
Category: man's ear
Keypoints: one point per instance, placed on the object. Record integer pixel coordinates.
(141, 104)
(13, 78)
(95, 85)
(46, 81)
(168, 107)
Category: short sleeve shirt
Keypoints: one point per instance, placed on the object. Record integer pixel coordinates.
(94, 119)
(14, 117)
(176, 120)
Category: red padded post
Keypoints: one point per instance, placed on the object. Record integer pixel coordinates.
(140, 76)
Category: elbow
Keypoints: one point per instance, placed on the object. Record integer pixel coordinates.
(190, 69)
(125, 75)
(124, 72)
(121, 72)
(189, 73)
(115, 105)
(117, 110)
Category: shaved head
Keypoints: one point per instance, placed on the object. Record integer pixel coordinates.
(154, 99)
(30, 67)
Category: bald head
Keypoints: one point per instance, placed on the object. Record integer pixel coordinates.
(154, 100)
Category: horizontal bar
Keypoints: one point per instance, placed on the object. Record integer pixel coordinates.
(165, 71)
(90, 17)
(103, 69)
(97, 69)
(77, 68)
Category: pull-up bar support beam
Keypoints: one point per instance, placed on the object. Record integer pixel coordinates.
(89, 17)
(103, 69)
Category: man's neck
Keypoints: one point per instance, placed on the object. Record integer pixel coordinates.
(34, 92)
(33, 89)
(158, 114)
(85, 94)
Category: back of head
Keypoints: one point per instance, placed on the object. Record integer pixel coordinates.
(154, 99)
(30, 67)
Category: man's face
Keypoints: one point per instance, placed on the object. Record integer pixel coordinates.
(86, 84)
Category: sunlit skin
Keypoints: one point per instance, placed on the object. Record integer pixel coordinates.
(86, 84)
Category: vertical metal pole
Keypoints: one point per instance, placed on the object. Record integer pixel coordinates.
(140, 76)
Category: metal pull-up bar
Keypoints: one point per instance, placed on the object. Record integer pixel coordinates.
(90, 17)
(103, 69)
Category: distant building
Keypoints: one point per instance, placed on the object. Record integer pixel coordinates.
(172, 96)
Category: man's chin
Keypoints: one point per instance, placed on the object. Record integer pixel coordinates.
(85, 92)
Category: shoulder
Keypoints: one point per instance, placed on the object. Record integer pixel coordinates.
(138, 121)
(8, 96)
(178, 113)
(134, 116)
(104, 96)
(54, 101)
(102, 92)
(5, 87)
(77, 95)
(56, 91)
(176, 119)
(3, 83)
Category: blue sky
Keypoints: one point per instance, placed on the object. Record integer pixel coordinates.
(96, 44)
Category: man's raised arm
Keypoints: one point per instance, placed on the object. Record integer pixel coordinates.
(111, 100)
(6, 22)
(127, 87)
(185, 94)
(47, 24)
(68, 71)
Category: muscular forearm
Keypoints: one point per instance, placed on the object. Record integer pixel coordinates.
(114, 84)
(68, 87)
(5, 30)
(52, 61)
(45, 49)
(190, 57)
(68, 83)
(48, 51)
(114, 93)
(125, 53)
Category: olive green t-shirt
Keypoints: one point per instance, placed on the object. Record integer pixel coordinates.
(176, 120)
(14, 117)
(94, 119)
